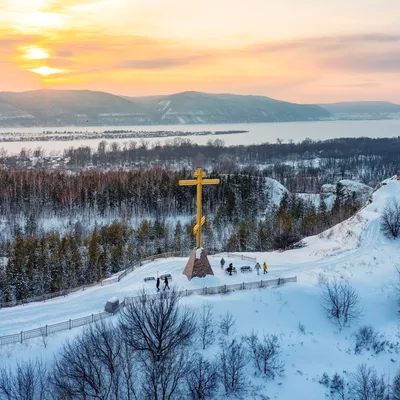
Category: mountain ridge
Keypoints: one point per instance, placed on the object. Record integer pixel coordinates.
(51, 107)
(84, 107)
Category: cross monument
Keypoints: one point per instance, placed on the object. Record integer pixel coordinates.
(198, 264)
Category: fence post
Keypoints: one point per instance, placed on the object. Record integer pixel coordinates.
(46, 330)
(261, 283)
(243, 286)
(92, 317)
(186, 293)
(69, 325)
(21, 336)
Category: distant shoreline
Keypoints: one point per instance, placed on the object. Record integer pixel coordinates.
(108, 134)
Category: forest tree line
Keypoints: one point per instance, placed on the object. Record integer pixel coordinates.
(49, 262)
(301, 167)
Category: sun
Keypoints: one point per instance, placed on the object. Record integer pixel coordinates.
(35, 53)
(46, 71)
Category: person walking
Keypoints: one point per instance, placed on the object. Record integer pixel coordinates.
(258, 267)
(166, 283)
(158, 284)
(265, 268)
(230, 269)
(222, 263)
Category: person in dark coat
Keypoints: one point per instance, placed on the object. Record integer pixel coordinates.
(166, 283)
(158, 284)
(230, 268)
(222, 263)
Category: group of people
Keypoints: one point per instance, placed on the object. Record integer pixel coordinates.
(257, 267)
(165, 284)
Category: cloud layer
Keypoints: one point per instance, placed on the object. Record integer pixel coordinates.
(91, 49)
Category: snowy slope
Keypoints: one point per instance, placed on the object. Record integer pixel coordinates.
(350, 188)
(328, 193)
(275, 191)
(355, 250)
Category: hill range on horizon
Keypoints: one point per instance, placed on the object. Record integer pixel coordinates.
(91, 108)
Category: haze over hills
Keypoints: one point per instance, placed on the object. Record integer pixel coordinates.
(61, 108)
(88, 108)
(363, 110)
(200, 108)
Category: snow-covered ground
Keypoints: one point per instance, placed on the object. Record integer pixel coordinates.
(328, 193)
(354, 249)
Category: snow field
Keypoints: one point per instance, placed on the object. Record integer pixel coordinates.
(355, 250)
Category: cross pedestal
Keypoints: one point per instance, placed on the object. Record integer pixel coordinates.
(198, 265)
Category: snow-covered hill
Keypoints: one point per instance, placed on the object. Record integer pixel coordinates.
(275, 191)
(351, 190)
(355, 250)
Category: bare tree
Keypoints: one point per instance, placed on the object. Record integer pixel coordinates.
(340, 302)
(390, 220)
(396, 387)
(202, 380)
(226, 323)
(233, 359)
(97, 365)
(164, 379)
(206, 326)
(338, 388)
(29, 381)
(265, 354)
(367, 385)
(157, 324)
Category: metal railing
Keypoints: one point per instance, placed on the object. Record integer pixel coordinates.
(104, 282)
(239, 256)
(78, 322)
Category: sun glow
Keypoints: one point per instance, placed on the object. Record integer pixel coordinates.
(35, 53)
(39, 21)
(46, 71)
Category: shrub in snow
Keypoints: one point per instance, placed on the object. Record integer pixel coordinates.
(28, 380)
(206, 326)
(396, 387)
(302, 328)
(232, 362)
(367, 385)
(202, 379)
(390, 220)
(265, 354)
(340, 302)
(369, 339)
(337, 387)
(324, 379)
(285, 240)
(226, 323)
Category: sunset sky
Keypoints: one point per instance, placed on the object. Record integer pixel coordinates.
(296, 50)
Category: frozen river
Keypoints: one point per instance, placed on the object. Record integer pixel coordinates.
(257, 133)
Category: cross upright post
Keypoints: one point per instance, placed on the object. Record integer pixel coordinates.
(199, 182)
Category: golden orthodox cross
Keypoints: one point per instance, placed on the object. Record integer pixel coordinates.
(200, 220)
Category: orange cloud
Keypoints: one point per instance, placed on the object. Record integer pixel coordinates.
(301, 70)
